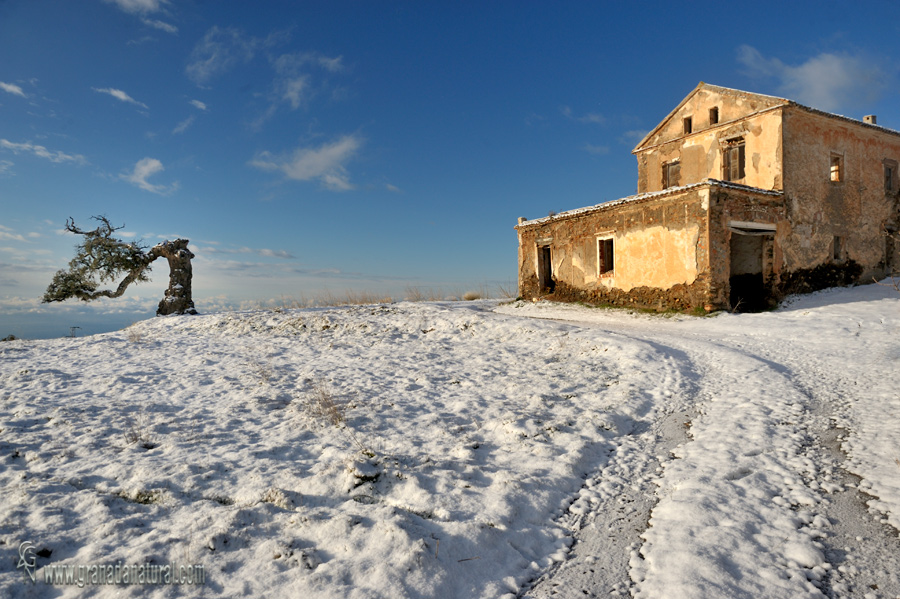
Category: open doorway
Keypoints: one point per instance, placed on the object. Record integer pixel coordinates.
(747, 280)
(545, 269)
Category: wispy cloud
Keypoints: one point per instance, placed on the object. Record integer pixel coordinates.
(294, 82)
(143, 8)
(218, 51)
(198, 104)
(326, 163)
(119, 95)
(143, 170)
(828, 81)
(139, 6)
(42, 152)
(5, 168)
(591, 117)
(13, 89)
(10, 234)
(161, 25)
(633, 136)
(183, 125)
(247, 250)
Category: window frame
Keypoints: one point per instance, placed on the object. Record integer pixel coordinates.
(836, 168)
(606, 257)
(687, 124)
(890, 175)
(667, 168)
(714, 116)
(734, 150)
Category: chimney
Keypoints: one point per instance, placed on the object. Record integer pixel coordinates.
(870, 118)
(521, 219)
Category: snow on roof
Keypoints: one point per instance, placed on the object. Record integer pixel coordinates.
(647, 196)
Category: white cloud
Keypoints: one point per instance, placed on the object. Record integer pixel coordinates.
(7, 233)
(325, 163)
(198, 104)
(161, 25)
(139, 6)
(291, 63)
(218, 51)
(143, 170)
(5, 167)
(12, 89)
(119, 95)
(183, 125)
(293, 90)
(827, 81)
(42, 152)
(591, 117)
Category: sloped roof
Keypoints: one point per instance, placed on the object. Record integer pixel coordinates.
(642, 197)
(767, 101)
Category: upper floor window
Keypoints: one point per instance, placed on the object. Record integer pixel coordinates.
(713, 115)
(837, 168)
(733, 160)
(688, 125)
(671, 174)
(890, 175)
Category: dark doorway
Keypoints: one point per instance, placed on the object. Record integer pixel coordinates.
(748, 290)
(545, 270)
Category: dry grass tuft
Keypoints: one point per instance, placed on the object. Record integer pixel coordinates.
(323, 404)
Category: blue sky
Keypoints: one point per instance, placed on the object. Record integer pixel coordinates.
(306, 147)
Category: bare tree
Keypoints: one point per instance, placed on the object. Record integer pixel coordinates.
(101, 257)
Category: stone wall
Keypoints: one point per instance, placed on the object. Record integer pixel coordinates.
(857, 209)
(661, 257)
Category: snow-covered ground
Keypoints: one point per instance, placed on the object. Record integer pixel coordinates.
(463, 450)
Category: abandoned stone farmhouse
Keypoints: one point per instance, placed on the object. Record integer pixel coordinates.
(742, 198)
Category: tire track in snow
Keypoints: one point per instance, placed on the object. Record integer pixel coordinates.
(613, 507)
(737, 499)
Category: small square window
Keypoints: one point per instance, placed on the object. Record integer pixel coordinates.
(671, 174)
(837, 168)
(688, 125)
(713, 115)
(605, 256)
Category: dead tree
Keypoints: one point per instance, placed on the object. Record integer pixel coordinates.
(101, 258)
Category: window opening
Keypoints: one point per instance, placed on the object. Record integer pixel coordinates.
(733, 157)
(837, 249)
(605, 256)
(688, 125)
(837, 168)
(714, 115)
(890, 172)
(671, 174)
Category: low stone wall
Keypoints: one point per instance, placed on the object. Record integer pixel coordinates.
(680, 297)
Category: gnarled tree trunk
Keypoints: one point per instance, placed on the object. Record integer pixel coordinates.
(178, 295)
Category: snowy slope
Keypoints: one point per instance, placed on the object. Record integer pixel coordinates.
(457, 449)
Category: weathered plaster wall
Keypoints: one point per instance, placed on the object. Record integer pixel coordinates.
(660, 244)
(728, 205)
(856, 209)
(701, 152)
